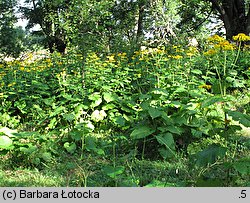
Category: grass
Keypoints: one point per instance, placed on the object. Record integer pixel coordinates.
(29, 178)
(70, 171)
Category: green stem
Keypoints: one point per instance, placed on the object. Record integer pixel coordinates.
(143, 149)
(220, 81)
(238, 54)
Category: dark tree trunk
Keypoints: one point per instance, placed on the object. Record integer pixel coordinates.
(234, 16)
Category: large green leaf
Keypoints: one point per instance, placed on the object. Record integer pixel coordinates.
(96, 99)
(57, 111)
(238, 116)
(113, 171)
(243, 166)
(98, 115)
(173, 129)
(5, 142)
(108, 97)
(46, 156)
(169, 145)
(211, 100)
(210, 154)
(119, 120)
(91, 145)
(29, 149)
(141, 132)
(166, 139)
(8, 132)
(70, 147)
(154, 113)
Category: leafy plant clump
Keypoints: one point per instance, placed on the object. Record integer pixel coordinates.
(169, 116)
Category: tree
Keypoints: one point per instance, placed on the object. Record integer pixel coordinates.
(235, 15)
(48, 15)
(10, 37)
(115, 26)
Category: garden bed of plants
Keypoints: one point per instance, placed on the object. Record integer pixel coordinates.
(167, 116)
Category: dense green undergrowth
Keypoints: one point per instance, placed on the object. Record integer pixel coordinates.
(170, 116)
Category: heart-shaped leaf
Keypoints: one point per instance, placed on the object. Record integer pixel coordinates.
(141, 132)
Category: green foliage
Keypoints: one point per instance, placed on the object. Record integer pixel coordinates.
(107, 114)
(11, 37)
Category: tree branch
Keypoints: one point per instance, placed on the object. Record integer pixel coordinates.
(218, 7)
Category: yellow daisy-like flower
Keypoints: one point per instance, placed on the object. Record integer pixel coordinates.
(111, 58)
(122, 54)
(241, 37)
(208, 87)
(177, 57)
(21, 68)
(225, 46)
(210, 52)
(216, 38)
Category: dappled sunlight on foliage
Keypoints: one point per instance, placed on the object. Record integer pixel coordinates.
(169, 103)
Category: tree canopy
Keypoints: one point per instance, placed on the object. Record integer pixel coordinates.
(10, 36)
(118, 25)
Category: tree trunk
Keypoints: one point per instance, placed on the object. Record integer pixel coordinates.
(140, 22)
(234, 16)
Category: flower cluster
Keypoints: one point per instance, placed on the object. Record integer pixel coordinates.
(241, 37)
(208, 87)
(216, 39)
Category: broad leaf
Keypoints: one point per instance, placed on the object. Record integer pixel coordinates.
(113, 171)
(141, 132)
(57, 111)
(210, 101)
(210, 154)
(70, 147)
(5, 142)
(166, 140)
(8, 132)
(46, 156)
(98, 115)
(197, 71)
(96, 98)
(238, 116)
(154, 113)
(119, 120)
(173, 129)
(108, 97)
(243, 166)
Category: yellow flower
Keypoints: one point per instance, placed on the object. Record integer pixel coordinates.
(21, 68)
(1, 95)
(208, 87)
(122, 54)
(190, 54)
(225, 45)
(210, 52)
(216, 38)
(2, 74)
(177, 57)
(11, 84)
(111, 58)
(137, 53)
(241, 37)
